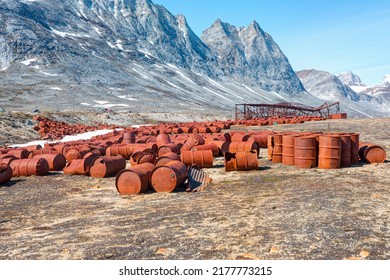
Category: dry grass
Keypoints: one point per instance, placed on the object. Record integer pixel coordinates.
(276, 212)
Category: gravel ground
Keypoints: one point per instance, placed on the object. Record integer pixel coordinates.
(276, 212)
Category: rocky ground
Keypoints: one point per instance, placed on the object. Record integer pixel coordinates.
(276, 212)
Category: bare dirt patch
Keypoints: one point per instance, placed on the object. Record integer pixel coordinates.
(276, 212)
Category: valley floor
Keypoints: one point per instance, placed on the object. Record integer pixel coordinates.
(276, 212)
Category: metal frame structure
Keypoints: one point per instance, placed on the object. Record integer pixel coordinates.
(286, 109)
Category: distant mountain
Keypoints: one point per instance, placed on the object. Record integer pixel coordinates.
(134, 55)
(329, 87)
(350, 79)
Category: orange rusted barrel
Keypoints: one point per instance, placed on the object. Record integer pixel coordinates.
(106, 166)
(329, 155)
(193, 140)
(219, 144)
(211, 146)
(241, 161)
(371, 153)
(41, 152)
(167, 148)
(163, 139)
(277, 154)
(73, 154)
(202, 159)
(134, 180)
(166, 158)
(288, 149)
(19, 153)
(29, 167)
(260, 139)
(270, 146)
(56, 162)
(147, 155)
(354, 148)
(229, 161)
(305, 151)
(234, 147)
(7, 158)
(238, 137)
(169, 177)
(345, 160)
(79, 166)
(5, 173)
(246, 161)
(128, 137)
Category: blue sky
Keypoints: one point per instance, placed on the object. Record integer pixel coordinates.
(335, 36)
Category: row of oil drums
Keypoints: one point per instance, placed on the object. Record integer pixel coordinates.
(279, 120)
(50, 129)
(325, 151)
(104, 158)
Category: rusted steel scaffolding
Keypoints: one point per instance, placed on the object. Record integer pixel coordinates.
(287, 110)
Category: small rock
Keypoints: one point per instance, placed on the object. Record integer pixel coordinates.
(353, 258)
(36, 111)
(28, 122)
(274, 249)
(2, 110)
(364, 254)
(246, 257)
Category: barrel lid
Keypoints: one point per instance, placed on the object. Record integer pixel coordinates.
(163, 179)
(375, 154)
(128, 182)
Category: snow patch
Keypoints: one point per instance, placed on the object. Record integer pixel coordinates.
(56, 88)
(67, 138)
(48, 74)
(67, 34)
(251, 90)
(358, 89)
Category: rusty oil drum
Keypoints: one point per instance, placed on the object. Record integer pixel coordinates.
(288, 153)
(354, 148)
(106, 166)
(29, 167)
(329, 155)
(166, 158)
(57, 162)
(241, 161)
(277, 153)
(169, 177)
(79, 166)
(5, 173)
(134, 180)
(371, 153)
(211, 146)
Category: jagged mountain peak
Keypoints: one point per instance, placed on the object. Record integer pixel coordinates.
(350, 79)
(249, 53)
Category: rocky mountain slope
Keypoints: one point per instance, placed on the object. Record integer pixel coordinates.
(135, 56)
(250, 54)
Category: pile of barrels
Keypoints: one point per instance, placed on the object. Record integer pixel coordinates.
(150, 159)
(162, 158)
(325, 151)
(50, 129)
